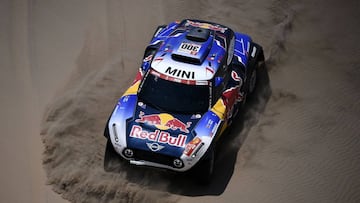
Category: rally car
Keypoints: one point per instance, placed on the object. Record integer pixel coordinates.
(194, 77)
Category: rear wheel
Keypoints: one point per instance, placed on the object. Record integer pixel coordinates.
(252, 81)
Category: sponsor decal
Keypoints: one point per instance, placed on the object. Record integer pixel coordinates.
(158, 136)
(142, 105)
(163, 121)
(180, 73)
(210, 69)
(191, 146)
(153, 119)
(176, 124)
(206, 26)
(224, 106)
(236, 77)
(209, 123)
(154, 146)
(214, 130)
(189, 48)
(158, 58)
(148, 58)
(138, 77)
(231, 96)
(183, 81)
(196, 116)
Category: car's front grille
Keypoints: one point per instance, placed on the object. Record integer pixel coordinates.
(153, 157)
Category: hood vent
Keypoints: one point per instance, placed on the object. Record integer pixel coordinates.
(186, 59)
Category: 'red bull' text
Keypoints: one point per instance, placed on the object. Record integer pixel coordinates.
(158, 136)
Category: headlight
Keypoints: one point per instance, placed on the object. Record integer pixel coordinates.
(178, 163)
(128, 153)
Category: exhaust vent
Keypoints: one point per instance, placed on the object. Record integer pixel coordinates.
(198, 35)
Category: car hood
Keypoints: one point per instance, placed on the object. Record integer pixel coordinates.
(165, 133)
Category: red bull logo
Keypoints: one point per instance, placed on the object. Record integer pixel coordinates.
(158, 136)
(231, 97)
(224, 106)
(176, 124)
(153, 119)
(163, 121)
(206, 26)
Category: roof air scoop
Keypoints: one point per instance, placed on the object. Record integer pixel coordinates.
(193, 47)
(198, 34)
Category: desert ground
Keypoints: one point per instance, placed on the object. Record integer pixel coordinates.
(64, 64)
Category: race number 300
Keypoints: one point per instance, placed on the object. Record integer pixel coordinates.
(189, 48)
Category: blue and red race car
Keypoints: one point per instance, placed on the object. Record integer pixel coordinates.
(194, 77)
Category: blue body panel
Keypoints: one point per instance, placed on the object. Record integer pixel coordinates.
(242, 46)
(129, 110)
(124, 108)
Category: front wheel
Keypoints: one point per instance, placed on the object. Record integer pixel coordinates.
(205, 169)
(111, 158)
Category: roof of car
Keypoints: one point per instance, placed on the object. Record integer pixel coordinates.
(190, 50)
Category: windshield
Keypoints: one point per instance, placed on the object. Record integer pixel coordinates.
(173, 96)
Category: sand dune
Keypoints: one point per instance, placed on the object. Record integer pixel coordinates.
(297, 141)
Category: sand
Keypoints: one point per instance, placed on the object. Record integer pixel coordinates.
(64, 64)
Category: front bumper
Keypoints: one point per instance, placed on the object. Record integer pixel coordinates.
(145, 158)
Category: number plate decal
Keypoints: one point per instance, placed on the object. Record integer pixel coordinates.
(189, 48)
